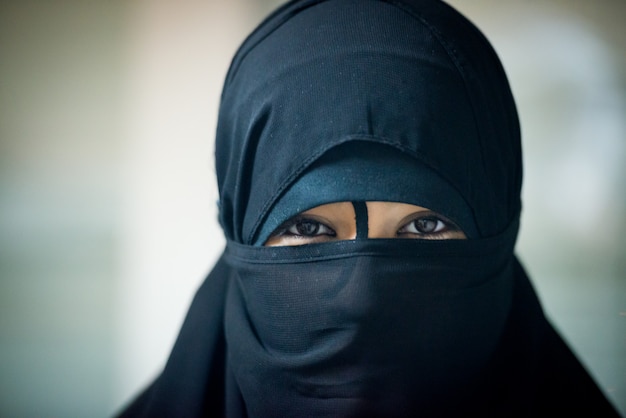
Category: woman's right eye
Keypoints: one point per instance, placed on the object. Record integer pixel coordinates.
(308, 228)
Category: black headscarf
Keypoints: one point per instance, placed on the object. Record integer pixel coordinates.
(416, 76)
(368, 327)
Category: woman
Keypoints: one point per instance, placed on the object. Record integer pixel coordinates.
(369, 167)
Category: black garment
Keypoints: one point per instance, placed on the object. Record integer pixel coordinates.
(532, 374)
(369, 327)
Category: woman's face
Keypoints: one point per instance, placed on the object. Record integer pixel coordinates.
(337, 221)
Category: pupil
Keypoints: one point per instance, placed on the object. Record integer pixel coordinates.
(426, 225)
(307, 227)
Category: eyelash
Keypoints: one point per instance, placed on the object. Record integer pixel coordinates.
(441, 226)
(285, 230)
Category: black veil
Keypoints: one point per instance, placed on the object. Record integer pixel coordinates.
(368, 327)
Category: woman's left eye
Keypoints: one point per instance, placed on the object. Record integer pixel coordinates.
(424, 226)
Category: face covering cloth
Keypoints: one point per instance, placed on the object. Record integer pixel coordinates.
(380, 328)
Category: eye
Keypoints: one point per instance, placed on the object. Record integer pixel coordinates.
(305, 227)
(426, 225)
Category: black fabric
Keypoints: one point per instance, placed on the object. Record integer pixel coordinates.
(371, 327)
(361, 218)
(532, 373)
(368, 327)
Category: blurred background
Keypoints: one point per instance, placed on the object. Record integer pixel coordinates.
(108, 197)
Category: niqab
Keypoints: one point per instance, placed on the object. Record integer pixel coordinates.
(368, 327)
